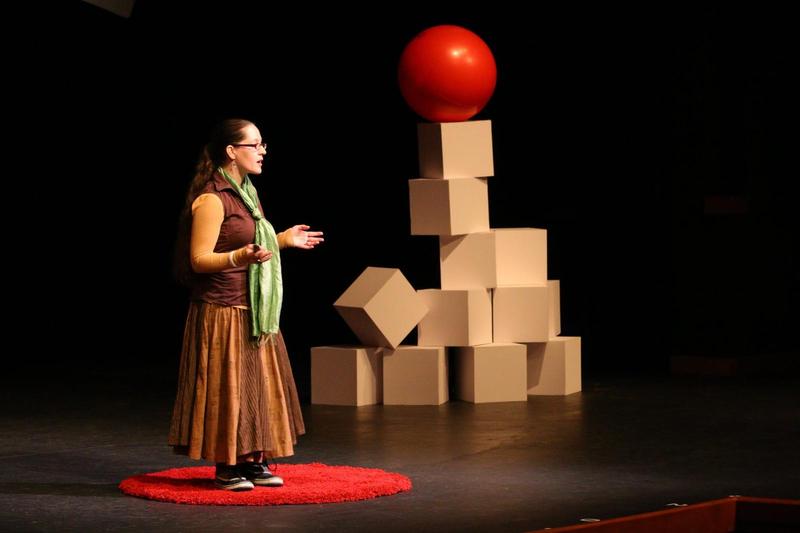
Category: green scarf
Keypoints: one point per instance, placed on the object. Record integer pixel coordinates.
(264, 279)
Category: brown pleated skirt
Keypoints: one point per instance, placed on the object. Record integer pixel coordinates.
(234, 397)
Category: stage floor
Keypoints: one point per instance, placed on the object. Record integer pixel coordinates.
(624, 445)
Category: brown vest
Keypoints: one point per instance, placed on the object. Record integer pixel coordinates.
(228, 287)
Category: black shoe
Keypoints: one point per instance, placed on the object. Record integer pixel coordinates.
(259, 474)
(229, 478)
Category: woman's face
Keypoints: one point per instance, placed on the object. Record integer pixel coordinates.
(250, 158)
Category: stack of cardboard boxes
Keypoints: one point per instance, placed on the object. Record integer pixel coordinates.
(496, 310)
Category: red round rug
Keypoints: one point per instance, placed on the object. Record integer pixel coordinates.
(303, 483)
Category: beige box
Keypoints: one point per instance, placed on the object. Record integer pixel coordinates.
(554, 367)
(491, 373)
(448, 207)
(455, 149)
(521, 256)
(415, 375)
(521, 314)
(346, 375)
(381, 307)
(456, 318)
(554, 306)
(497, 258)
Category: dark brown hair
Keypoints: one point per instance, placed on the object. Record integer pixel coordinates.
(227, 132)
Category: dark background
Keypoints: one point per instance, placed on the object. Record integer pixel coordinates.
(652, 144)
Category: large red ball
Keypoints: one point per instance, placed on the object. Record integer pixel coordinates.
(447, 74)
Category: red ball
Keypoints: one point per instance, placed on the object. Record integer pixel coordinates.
(447, 74)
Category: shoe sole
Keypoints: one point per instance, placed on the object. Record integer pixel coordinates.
(238, 487)
(272, 481)
(270, 484)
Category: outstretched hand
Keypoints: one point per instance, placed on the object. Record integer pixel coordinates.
(300, 237)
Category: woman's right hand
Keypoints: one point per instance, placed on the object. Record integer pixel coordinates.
(256, 254)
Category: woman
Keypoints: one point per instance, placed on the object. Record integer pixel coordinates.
(237, 402)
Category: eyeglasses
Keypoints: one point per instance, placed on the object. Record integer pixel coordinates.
(254, 146)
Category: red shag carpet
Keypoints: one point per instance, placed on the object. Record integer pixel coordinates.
(303, 483)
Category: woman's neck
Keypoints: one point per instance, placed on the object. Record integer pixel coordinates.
(233, 171)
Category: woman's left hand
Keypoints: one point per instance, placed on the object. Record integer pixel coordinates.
(300, 237)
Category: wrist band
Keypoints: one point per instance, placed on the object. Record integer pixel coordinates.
(230, 259)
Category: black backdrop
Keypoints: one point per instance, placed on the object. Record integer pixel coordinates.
(616, 130)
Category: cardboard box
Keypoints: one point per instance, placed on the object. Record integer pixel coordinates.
(491, 373)
(554, 307)
(521, 256)
(346, 375)
(448, 207)
(415, 375)
(554, 367)
(455, 149)
(497, 258)
(456, 318)
(381, 307)
(521, 314)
